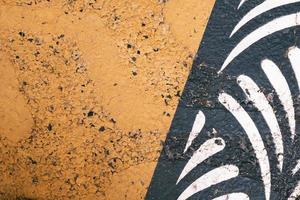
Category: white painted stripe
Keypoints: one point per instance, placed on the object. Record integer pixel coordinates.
(261, 8)
(209, 179)
(259, 100)
(197, 127)
(281, 87)
(263, 31)
(297, 167)
(206, 150)
(296, 192)
(233, 196)
(241, 3)
(255, 138)
(294, 56)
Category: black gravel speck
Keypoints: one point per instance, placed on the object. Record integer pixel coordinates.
(101, 129)
(90, 114)
(22, 34)
(49, 127)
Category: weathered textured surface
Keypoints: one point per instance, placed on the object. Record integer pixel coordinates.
(245, 87)
(88, 90)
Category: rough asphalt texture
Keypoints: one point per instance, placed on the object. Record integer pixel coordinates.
(201, 93)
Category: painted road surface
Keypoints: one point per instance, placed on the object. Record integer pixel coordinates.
(235, 133)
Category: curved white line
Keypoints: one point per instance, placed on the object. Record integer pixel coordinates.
(197, 127)
(261, 8)
(233, 196)
(211, 178)
(259, 100)
(206, 150)
(281, 87)
(263, 31)
(241, 3)
(297, 167)
(296, 193)
(255, 138)
(294, 57)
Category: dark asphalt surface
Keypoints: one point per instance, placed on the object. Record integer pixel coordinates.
(201, 92)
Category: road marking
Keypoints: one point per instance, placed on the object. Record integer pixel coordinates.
(197, 127)
(282, 89)
(206, 150)
(261, 32)
(260, 9)
(259, 100)
(254, 136)
(233, 196)
(212, 177)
